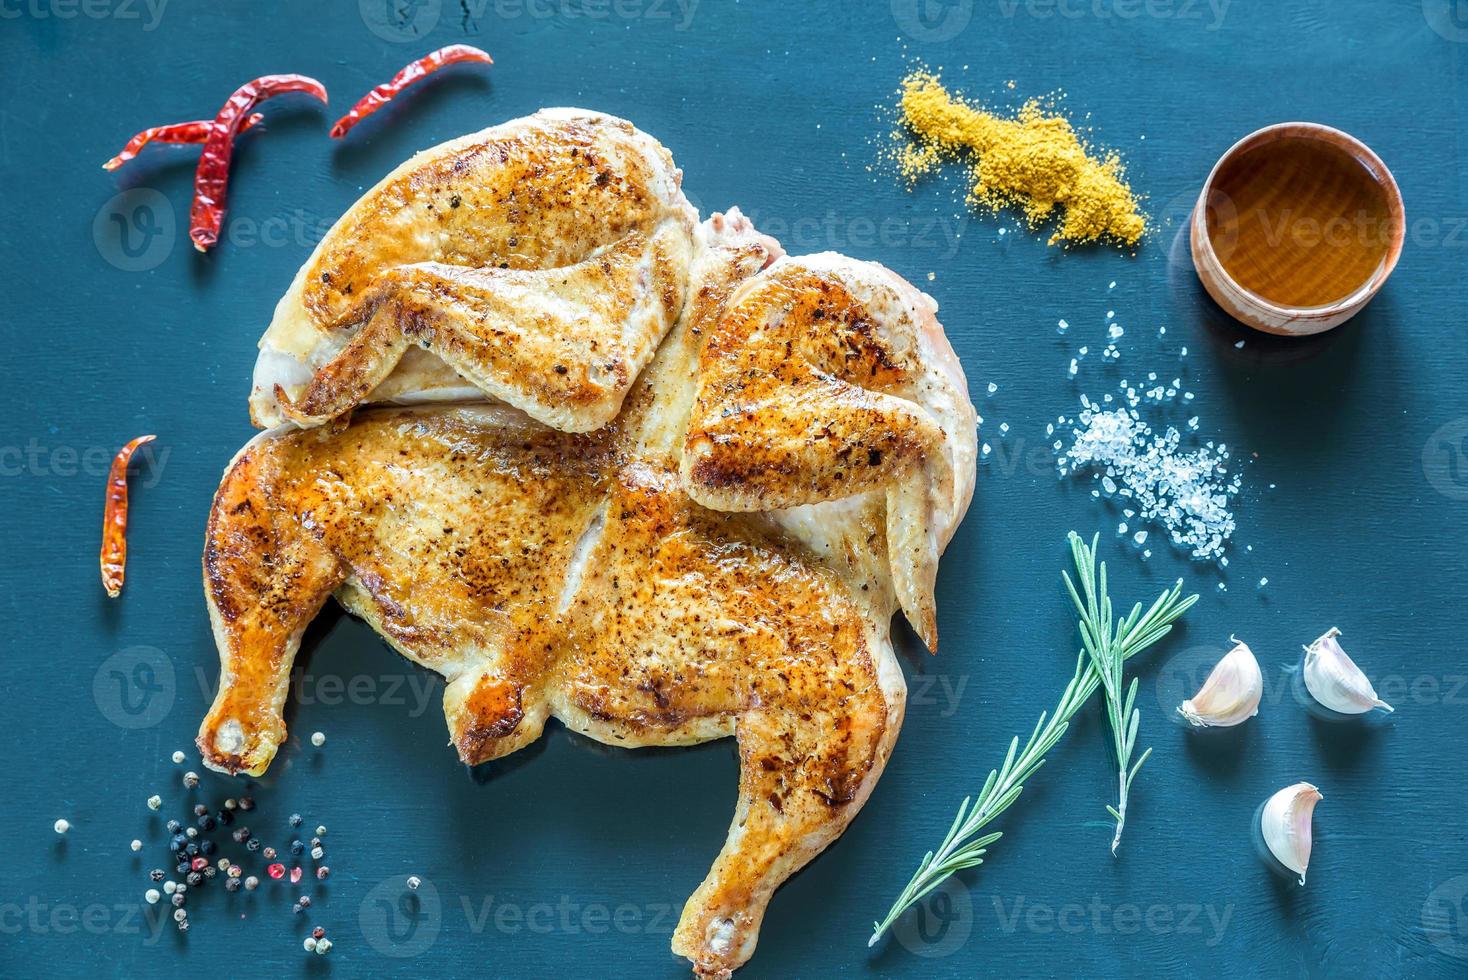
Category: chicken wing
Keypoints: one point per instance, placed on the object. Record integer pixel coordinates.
(538, 262)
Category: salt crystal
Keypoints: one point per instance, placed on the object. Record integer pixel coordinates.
(1183, 352)
(1115, 331)
(1187, 492)
(1113, 284)
(1239, 345)
(1084, 351)
(1263, 582)
(1110, 314)
(993, 387)
(1004, 427)
(1073, 367)
(1063, 326)
(986, 449)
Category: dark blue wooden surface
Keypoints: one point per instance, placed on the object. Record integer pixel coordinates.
(573, 859)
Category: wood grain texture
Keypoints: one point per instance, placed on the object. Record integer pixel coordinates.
(1360, 431)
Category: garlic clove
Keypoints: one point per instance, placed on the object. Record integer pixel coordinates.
(1333, 678)
(1230, 696)
(1285, 825)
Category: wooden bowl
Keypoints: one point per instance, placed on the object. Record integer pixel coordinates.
(1253, 309)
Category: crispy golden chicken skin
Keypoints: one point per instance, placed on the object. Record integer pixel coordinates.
(538, 262)
(582, 576)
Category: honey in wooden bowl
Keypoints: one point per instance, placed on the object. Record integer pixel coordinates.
(1297, 228)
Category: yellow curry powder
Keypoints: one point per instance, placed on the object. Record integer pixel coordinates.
(1034, 161)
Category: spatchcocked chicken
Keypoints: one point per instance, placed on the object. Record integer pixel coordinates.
(682, 484)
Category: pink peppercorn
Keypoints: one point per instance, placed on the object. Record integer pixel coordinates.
(275, 870)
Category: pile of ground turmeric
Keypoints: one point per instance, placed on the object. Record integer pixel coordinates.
(1034, 161)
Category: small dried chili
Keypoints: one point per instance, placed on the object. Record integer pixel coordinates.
(185, 132)
(114, 519)
(211, 180)
(424, 66)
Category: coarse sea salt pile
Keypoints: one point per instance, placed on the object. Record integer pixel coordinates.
(1185, 491)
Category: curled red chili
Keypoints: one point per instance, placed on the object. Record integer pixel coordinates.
(211, 179)
(114, 519)
(184, 132)
(424, 66)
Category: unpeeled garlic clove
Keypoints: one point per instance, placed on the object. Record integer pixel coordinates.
(1230, 696)
(1333, 678)
(1285, 824)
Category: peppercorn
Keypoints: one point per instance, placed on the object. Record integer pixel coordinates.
(206, 822)
(309, 944)
(251, 883)
(231, 884)
(317, 854)
(210, 871)
(253, 844)
(322, 872)
(179, 915)
(182, 867)
(297, 847)
(295, 820)
(136, 845)
(191, 779)
(174, 826)
(225, 817)
(200, 809)
(177, 900)
(247, 803)
(154, 802)
(191, 832)
(241, 835)
(318, 932)
(178, 843)
(321, 831)
(207, 847)
(315, 841)
(178, 758)
(234, 871)
(198, 864)
(157, 874)
(151, 896)
(183, 925)
(192, 850)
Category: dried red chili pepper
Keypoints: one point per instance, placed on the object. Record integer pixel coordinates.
(114, 519)
(211, 180)
(184, 132)
(424, 66)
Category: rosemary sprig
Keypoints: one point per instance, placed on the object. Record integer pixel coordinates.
(1109, 644)
(963, 848)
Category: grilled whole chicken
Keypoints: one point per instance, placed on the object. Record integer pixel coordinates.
(721, 558)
